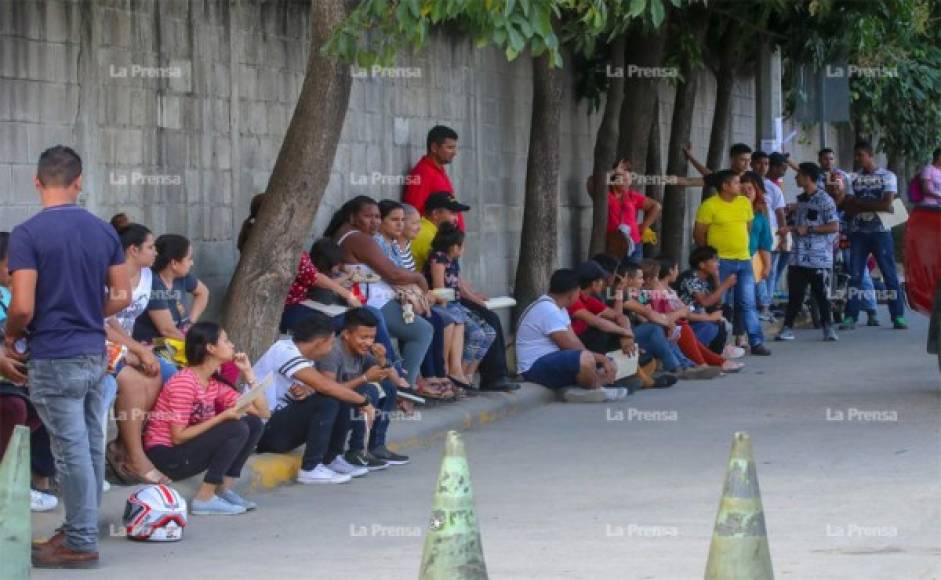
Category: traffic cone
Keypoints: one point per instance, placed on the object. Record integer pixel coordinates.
(15, 532)
(453, 550)
(739, 549)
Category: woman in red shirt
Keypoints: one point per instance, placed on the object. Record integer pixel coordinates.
(624, 235)
(195, 426)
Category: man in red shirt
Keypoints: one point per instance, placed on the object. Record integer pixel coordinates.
(600, 328)
(428, 175)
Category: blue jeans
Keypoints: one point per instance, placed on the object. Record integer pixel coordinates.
(868, 296)
(433, 364)
(880, 245)
(650, 337)
(779, 261)
(744, 296)
(384, 408)
(706, 332)
(67, 394)
(415, 338)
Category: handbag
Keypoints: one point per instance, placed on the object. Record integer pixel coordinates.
(412, 295)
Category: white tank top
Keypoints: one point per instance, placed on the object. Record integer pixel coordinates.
(377, 294)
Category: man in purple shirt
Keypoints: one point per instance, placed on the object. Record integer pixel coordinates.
(68, 276)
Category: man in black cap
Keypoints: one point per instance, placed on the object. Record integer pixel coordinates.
(440, 207)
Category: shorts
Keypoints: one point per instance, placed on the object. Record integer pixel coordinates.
(556, 369)
(167, 368)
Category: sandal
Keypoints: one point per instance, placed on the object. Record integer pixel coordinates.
(117, 461)
(433, 390)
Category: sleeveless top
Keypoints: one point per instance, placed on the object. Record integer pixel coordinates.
(377, 294)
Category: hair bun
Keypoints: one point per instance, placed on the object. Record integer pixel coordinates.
(120, 222)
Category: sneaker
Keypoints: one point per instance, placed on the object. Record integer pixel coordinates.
(731, 366)
(699, 373)
(362, 459)
(382, 453)
(632, 383)
(873, 320)
(615, 393)
(344, 467)
(321, 474)
(40, 501)
(829, 334)
(766, 316)
(235, 499)
(760, 350)
(215, 507)
(664, 380)
(580, 395)
(785, 334)
(899, 323)
(731, 351)
(848, 324)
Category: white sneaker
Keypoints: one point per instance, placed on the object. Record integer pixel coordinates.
(580, 395)
(732, 352)
(615, 393)
(343, 467)
(321, 474)
(42, 502)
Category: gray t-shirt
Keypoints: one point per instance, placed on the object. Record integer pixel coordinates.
(347, 365)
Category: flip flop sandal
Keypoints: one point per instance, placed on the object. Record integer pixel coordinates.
(433, 391)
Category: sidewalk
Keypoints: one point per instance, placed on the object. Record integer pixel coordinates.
(266, 471)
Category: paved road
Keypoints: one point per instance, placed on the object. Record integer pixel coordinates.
(846, 436)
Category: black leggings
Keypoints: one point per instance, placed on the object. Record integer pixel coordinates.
(798, 278)
(220, 451)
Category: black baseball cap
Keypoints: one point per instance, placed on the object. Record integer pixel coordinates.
(444, 200)
(590, 271)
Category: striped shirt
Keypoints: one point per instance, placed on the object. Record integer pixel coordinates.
(282, 361)
(183, 401)
(405, 254)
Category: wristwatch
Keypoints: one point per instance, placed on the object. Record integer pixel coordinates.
(365, 403)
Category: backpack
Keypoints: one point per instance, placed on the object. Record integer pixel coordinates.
(915, 194)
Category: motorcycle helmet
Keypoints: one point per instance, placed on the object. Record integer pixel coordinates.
(155, 513)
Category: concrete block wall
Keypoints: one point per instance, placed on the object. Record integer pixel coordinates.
(179, 108)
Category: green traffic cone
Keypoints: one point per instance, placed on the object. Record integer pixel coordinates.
(15, 522)
(453, 550)
(739, 549)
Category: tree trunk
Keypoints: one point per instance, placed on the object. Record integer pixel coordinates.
(674, 227)
(255, 298)
(725, 82)
(606, 150)
(539, 236)
(655, 186)
(644, 49)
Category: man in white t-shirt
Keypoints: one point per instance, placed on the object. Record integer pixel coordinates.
(305, 404)
(550, 354)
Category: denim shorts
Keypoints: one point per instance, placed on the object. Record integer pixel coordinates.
(167, 368)
(556, 369)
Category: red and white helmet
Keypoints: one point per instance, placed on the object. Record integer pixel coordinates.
(155, 513)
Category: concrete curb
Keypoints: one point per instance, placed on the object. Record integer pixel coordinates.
(267, 471)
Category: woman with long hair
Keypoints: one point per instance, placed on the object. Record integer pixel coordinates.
(353, 227)
(196, 426)
(172, 280)
(761, 238)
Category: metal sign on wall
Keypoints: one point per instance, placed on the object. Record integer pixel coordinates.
(822, 94)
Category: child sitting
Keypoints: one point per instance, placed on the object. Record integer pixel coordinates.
(444, 271)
